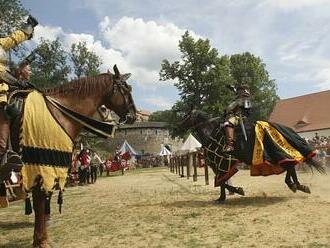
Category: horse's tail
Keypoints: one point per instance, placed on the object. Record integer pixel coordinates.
(315, 164)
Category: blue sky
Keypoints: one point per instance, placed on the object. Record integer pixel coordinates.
(292, 37)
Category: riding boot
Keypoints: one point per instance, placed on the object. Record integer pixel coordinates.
(4, 131)
(229, 146)
(9, 160)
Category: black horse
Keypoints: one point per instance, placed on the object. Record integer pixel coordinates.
(270, 149)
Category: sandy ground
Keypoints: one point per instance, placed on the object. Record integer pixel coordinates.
(156, 208)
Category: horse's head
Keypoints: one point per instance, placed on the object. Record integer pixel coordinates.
(120, 99)
(193, 119)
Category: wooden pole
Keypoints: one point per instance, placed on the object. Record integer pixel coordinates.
(194, 162)
(176, 164)
(40, 229)
(182, 164)
(206, 172)
(188, 161)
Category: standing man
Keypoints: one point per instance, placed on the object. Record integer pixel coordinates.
(6, 79)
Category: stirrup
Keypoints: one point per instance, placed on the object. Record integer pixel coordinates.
(11, 161)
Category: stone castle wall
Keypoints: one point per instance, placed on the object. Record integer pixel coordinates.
(146, 138)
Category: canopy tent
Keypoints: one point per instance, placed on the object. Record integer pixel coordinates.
(127, 149)
(191, 144)
(164, 151)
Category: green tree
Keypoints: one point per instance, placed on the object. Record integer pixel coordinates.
(162, 116)
(195, 73)
(85, 63)
(202, 77)
(248, 69)
(12, 15)
(50, 68)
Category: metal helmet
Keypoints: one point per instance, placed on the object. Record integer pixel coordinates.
(243, 90)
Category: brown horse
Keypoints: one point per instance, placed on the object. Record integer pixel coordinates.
(84, 96)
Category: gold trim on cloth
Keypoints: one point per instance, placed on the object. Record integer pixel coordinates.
(40, 130)
(258, 159)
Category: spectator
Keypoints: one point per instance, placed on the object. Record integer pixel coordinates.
(84, 160)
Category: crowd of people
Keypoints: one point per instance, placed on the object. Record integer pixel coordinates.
(319, 141)
(151, 161)
(322, 145)
(85, 165)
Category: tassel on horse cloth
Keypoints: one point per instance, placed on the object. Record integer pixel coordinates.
(28, 206)
(60, 201)
(3, 196)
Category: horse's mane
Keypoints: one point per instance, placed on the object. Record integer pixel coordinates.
(83, 86)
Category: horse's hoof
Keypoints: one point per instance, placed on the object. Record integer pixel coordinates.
(240, 191)
(219, 201)
(304, 188)
(293, 187)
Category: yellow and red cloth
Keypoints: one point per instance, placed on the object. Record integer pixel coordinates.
(274, 146)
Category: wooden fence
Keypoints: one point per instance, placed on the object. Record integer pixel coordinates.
(187, 166)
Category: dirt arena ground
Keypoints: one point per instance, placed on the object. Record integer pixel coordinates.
(156, 208)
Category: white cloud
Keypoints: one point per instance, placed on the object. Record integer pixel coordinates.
(292, 4)
(46, 32)
(291, 36)
(134, 45)
(323, 78)
(160, 102)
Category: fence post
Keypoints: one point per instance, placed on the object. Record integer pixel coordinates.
(182, 165)
(176, 164)
(171, 165)
(206, 172)
(188, 163)
(194, 162)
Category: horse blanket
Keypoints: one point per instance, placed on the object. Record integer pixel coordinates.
(274, 146)
(45, 146)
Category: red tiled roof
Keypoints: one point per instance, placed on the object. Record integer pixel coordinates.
(304, 113)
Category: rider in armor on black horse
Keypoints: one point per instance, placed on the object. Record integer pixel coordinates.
(8, 80)
(235, 113)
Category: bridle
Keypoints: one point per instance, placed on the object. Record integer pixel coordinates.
(120, 85)
(197, 125)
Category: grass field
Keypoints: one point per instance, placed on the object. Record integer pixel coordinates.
(155, 208)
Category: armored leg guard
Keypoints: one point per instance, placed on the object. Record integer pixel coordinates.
(9, 160)
(229, 146)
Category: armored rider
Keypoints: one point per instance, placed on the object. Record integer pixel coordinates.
(7, 79)
(234, 113)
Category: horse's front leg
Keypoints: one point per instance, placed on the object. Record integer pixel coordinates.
(222, 197)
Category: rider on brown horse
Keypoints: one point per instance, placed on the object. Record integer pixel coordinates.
(6, 80)
(235, 111)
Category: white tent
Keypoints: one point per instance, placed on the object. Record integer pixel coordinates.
(191, 144)
(164, 151)
(127, 148)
